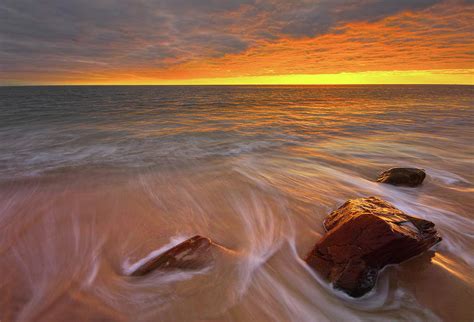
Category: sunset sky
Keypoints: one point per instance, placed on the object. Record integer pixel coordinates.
(236, 42)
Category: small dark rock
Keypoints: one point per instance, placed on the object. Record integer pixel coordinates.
(363, 236)
(193, 253)
(409, 177)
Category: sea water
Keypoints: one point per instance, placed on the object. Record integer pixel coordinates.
(95, 179)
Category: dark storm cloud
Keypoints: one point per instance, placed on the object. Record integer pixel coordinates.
(65, 35)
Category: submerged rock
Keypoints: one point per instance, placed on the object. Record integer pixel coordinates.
(363, 236)
(193, 253)
(409, 177)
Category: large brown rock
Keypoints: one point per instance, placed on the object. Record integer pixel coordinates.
(409, 177)
(363, 236)
(193, 253)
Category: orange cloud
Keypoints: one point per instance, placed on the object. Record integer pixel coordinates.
(435, 38)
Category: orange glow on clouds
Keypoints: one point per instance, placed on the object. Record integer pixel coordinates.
(431, 46)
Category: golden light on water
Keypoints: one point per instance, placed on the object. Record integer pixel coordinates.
(453, 267)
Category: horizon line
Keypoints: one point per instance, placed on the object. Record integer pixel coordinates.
(231, 85)
(394, 77)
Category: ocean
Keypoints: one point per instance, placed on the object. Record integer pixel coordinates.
(94, 178)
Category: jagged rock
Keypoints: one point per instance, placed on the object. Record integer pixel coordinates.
(409, 177)
(363, 236)
(193, 253)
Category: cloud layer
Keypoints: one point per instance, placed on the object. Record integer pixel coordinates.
(55, 40)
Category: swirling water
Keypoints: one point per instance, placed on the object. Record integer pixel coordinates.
(94, 179)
